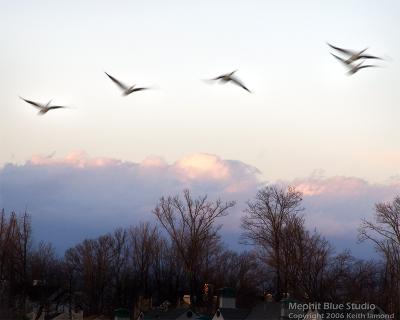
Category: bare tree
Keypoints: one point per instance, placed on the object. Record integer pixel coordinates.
(384, 232)
(265, 220)
(305, 260)
(236, 270)
(93, 261)
(120, 265)
(144, 245)
(15, 245)
(190, 224)
(69, 269)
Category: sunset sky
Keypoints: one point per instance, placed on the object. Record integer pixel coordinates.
(306, 123)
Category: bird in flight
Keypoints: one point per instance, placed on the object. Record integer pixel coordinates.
(229, 77)
(126, 90)
(353, 68)
(354, 55)
(43, 108)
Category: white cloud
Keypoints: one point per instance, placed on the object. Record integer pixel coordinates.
(197, 166)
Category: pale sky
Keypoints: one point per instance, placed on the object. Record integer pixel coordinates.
(305, 114)
(107, 160)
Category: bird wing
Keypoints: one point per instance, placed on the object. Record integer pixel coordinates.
(367, 56)
(35, 104)
(217, 78)
(117, 82)
(345, 62)
(345, 51)
(367, 66)
(239, 83)
(56, 107)
(230, 74)
(139, 89)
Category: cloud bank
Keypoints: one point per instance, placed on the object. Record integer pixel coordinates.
(79, 196)
(335, 205)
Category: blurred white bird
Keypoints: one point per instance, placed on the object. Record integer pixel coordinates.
(352, 69)
(354, 55)
(229, 77)
(126, 90)
(43, 108)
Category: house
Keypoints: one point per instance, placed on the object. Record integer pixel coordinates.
(231, 314)
(266, 311)
(227, 298)
(262, 311)
(227, 306)
(172, 314)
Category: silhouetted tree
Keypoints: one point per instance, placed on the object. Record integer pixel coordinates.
(190, 224)
(264, 223)
(384, 232)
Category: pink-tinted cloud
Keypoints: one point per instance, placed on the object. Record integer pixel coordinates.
(336, 205)
(77, 159)
(334, 186)
(77, 195)
(200, 165)
(153, 162)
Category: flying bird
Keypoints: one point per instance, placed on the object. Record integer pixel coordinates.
(229, 77)
(353, 68)
(354, 55)
(126, 90)
(43, 108)
(359, 66)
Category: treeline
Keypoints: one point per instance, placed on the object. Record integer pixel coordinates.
(184, 251)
